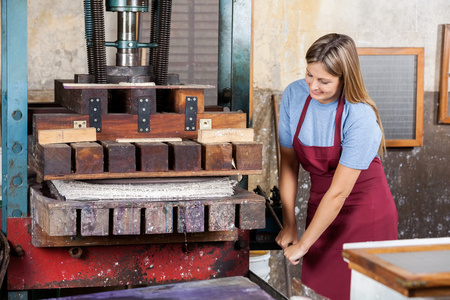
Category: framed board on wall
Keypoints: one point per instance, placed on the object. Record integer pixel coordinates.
(444, 113)
(394, 79)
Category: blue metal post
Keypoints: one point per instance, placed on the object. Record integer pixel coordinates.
(14, 114)
(14, 110)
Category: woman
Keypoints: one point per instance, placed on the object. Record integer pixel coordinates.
(329, 125)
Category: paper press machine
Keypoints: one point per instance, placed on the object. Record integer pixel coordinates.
(133, 181)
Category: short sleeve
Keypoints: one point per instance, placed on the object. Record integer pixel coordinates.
(284, 132)
(292, 102)
(361, 136)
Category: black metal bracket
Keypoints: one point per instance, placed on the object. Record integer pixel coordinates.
(144, 115)
(95, 113)
(191, 114)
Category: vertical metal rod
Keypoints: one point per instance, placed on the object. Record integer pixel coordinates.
(99, 47)
(224, 70)
(89, 34)
(234, 55)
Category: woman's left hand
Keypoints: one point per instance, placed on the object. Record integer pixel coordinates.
(294, 252)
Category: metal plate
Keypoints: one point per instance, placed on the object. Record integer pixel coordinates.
(95, 113)
(191, 114)
(144, 114)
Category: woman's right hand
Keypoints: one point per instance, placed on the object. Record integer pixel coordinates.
(287, 236)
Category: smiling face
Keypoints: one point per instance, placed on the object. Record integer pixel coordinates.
(323, 86)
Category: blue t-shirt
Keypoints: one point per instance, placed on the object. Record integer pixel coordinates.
(360, 132)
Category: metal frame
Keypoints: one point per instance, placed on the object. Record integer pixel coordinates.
(234, 76)
(235, 55)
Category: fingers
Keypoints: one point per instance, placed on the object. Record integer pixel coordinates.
(293, 254)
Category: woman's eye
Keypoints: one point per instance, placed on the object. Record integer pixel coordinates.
(324, 82)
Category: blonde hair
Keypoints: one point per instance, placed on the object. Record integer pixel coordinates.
(339, 57)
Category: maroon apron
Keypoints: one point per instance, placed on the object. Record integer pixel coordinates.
(368, 214)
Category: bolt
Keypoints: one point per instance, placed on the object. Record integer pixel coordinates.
(76, 252)
(241, 245)
(18, 251)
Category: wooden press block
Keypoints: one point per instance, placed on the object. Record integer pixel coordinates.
(87, 158)
(77, 100)
(185, 156)
(177, 100)
(217, 156)
(120, 126)
(54, 159)
(54, 220)
(152, 157)
(62, 222)
(247, 155)
(126, 221)
(134, 96)
(221, 217)
(94, 221)
(119, 157)
(158, 218)
(252, 215)
(191, 217)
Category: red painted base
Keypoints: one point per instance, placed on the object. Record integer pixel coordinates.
(45, 268)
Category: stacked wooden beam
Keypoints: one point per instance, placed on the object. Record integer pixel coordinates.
(116, 131)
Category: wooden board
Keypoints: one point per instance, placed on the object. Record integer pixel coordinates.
(226, 135)
(410, 279)
(55, 136)
(125, 126)
(66, 218)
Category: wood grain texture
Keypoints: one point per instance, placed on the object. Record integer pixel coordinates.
(54, 219)
(125, 126)
(55, 136)
(185, 156)
(87, 158)
(217, 156)
(152, 157)
(119, 157)
(177, 100)
(53, 159)
(431, 284)
(226, 135)
(247, 155)
(78, 100)
(59, 218)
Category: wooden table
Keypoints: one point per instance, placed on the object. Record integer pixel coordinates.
(403, 269)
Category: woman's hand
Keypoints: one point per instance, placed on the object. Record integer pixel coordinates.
(294, 252)
(287, 236)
